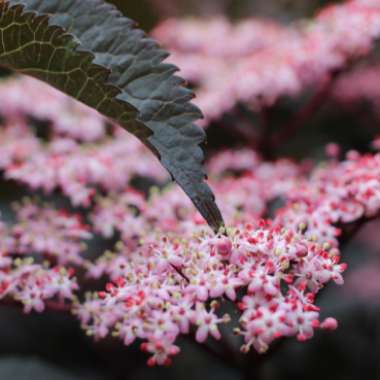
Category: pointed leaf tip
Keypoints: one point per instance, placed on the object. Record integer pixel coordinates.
(90, 51)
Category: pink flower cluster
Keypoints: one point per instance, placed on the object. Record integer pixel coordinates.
(256, 62)
(28, 97)
(162, 289)
(55, 234)
(79, 170)
(33, 252)
(168, 278)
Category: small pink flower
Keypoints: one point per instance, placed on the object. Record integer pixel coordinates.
(207, 322)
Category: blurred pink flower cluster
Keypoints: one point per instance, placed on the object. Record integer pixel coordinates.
(256, 62)
(37, 255)
(79, 156)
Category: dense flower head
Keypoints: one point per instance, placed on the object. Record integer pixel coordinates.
(281, 264)
(160, 290)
